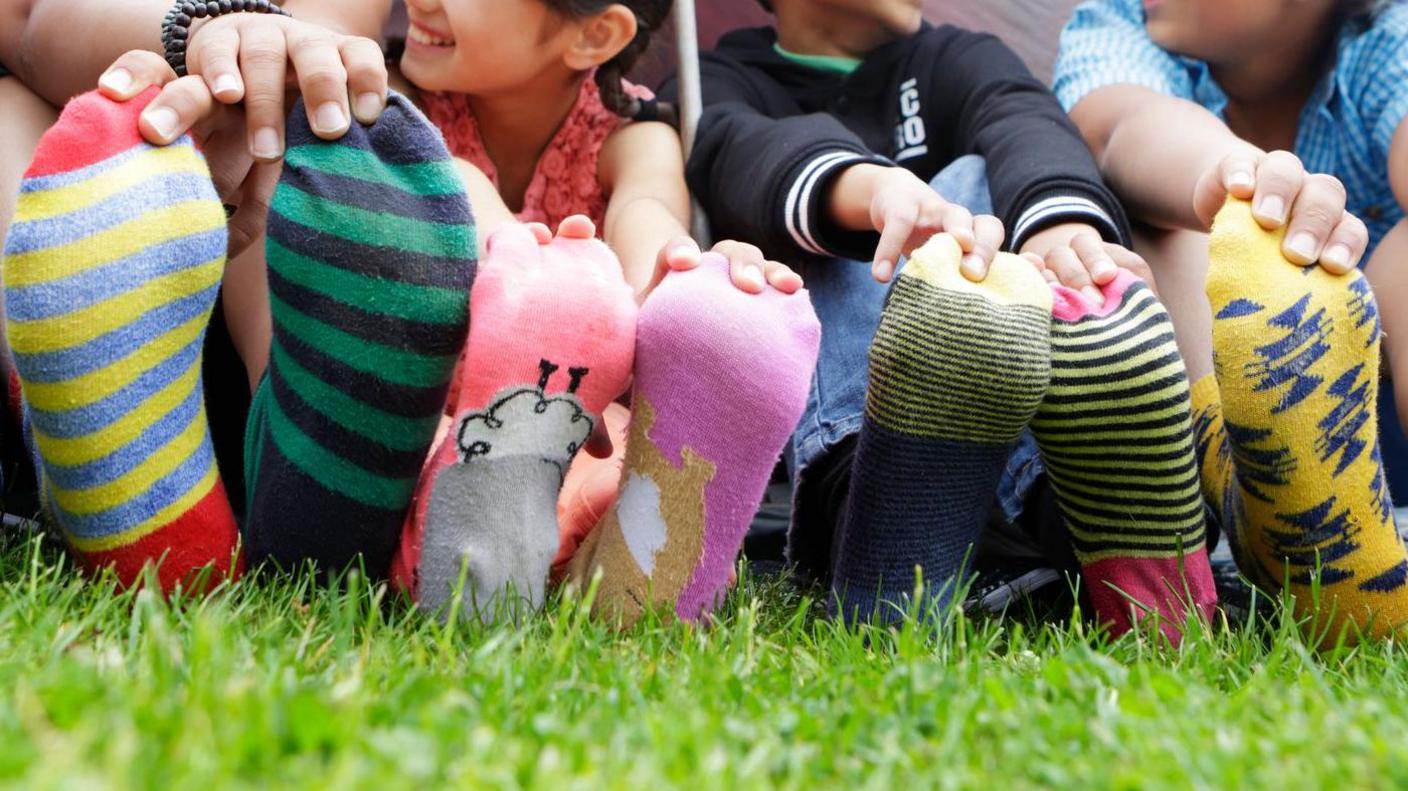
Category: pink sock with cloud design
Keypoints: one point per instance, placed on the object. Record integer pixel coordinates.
(721, 379)
(551, 341)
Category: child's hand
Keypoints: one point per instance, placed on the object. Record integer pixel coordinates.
(1075, 255)
(748, 268)
(1281, 192)
(906, 212)
(244, 58)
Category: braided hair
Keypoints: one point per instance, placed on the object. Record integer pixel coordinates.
(650, 17)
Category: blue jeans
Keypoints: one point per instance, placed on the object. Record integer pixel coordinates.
(848, 302)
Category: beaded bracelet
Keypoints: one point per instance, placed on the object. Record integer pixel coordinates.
(177, 26)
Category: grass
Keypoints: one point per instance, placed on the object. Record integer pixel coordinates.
(285, 684)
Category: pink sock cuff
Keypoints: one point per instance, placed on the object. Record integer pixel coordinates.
(1121, 587)
(1071, 305)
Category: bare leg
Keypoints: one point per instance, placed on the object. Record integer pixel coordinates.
(26, 118)
(245, 292)
(1179, 260)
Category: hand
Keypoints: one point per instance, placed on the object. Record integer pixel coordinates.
(243, 58)
(240, 181)
(749, 270)
(1074, 255)
(906, 212)
(1282, 193)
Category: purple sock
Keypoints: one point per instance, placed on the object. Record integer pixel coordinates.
(721, 380)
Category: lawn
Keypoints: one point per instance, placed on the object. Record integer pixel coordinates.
(281, 683)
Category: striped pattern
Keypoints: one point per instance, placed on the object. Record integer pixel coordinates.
(371, 254)
(1301, 484)
(956, 372)
(111, 272)
(1116, 434)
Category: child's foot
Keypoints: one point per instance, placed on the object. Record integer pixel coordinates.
(371, 253)
(1115, 431)
(957, 370)
(1297, 367)
(112, 267)
(721, 380)
(550, 346)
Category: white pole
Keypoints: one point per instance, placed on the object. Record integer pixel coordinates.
(691, 97)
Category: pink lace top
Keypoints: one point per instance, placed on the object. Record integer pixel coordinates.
(564, 181)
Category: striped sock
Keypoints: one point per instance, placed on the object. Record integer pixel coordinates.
(1290, 436)
(371, 254)
(111, 270)
(1116, 434)
(956, 372)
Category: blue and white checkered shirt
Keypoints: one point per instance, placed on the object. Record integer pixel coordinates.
(1345, 128)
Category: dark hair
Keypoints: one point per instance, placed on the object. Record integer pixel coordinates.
(650, 16)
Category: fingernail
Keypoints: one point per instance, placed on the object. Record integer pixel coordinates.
(1100, 269)
(754, 276)
(882, 270)
(1336, 255)
(1241, 178)
(330, 119)
(266, 144)
(227, 84)
(1303, 245)
(972, 265)
(117, 80)
(1272, 208)
(164, 120)
(1093, 294)
(369, 107)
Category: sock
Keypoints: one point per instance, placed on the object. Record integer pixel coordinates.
(956, 372)
(551, 345)
(1297, 366)
(112, 267)
(1115, 431)
(721, 381)
(371, 252)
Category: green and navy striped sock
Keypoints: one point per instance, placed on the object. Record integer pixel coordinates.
(371, 252)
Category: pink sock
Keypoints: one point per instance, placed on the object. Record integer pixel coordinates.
(551, 339)
(721, 380)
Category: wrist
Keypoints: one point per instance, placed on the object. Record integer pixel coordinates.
(1048, 239)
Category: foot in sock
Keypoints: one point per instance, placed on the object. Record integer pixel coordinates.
(957, 370)
(1299, 481)
(112, 268)
(371, 253)
(1116, 434)
(721, 381)
(551, 345)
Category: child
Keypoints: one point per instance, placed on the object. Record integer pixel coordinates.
(843, 133)
(1211, 87)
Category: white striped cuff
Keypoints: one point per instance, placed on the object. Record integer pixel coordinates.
(798, 207)
(1073, 208)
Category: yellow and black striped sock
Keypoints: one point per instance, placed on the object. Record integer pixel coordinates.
(1299, 482)
(956, 372)
(1115, 431)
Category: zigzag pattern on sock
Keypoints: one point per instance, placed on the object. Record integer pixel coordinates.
(1116, 434)
(112, 268)
(1297, 366)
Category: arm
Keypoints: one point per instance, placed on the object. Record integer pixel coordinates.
(1387, 271)
(642, 169)
(647, 216)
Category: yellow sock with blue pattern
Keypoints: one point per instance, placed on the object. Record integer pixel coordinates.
(1289, 434)
(112, 267)
(957, 370)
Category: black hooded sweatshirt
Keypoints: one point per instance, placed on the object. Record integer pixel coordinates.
(775, 134)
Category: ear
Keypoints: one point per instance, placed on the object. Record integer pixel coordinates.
(601, 37)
